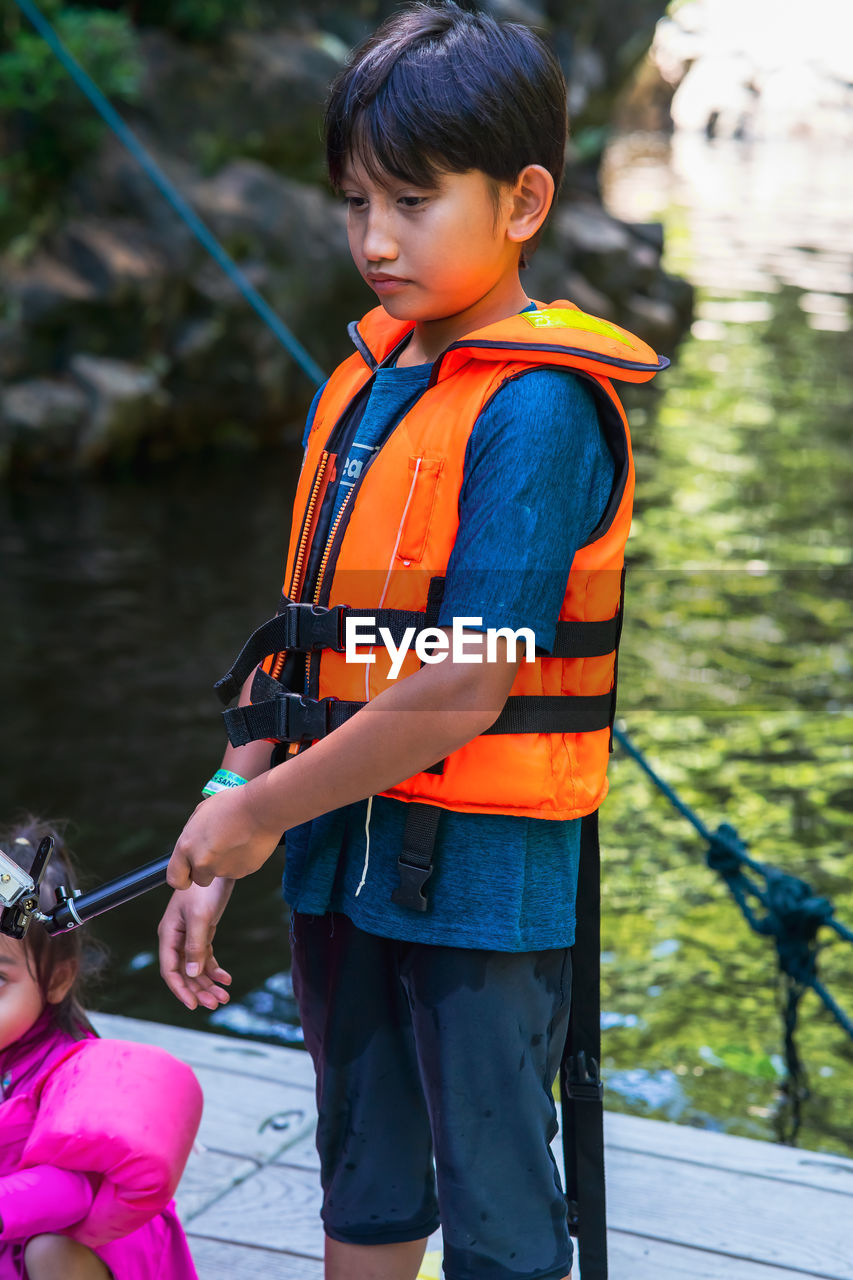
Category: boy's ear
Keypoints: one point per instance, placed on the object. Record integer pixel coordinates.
(61, 981)
(532, 196)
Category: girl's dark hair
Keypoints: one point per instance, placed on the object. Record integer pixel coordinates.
(437, 88)
(43, 952)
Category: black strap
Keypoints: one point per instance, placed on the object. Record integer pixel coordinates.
(554, 714)
(581, 1089)
(290, 717)
(586, 639)
(301, 627)
(307, 628)
(415, 860)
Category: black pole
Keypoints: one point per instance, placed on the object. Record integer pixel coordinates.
(74, 911)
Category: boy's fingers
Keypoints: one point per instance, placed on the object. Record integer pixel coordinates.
(179, 871)
(196, 953)
(176, 983)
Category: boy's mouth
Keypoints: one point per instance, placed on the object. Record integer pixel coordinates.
(384, 283)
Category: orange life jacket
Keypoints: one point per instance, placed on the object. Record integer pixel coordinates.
(387, 551)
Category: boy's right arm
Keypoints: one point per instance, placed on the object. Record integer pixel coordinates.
(189, 921)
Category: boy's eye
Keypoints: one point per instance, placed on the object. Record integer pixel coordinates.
(355, 202)
(412, 202)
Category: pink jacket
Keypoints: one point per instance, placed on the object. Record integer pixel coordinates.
(94, 1136)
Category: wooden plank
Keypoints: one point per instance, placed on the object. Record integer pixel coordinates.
(252, 1117)
(276, 1208)
(302, 1155)
(643, 1259)
(725, 1151)
(682, 1142)
(207, 1176)
(216, 1260)
(748, 1217)
(205, 1048)
(628, 1257)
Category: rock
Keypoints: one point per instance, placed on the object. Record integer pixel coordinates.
(13, 352)
(589, 299)
(590, 230)
(650, 233)
(655, 320)
(116, 256)
(600, 43)
(602, 250)
(43, 404)
(39, 423)
(258, 94)
(114, 184)
(530, 12)
(290, 240)
(644, 263)
(212, 284)
(46, 289)
(197, 339)
(249, 202)
(125, 402)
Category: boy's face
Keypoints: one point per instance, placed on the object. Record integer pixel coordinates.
(430, 254)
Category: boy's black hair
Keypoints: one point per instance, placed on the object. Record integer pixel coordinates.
(437, 88)
(44, 953)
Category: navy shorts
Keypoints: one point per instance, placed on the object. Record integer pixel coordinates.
(434, 1073)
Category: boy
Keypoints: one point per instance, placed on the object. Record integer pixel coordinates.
(456, 467)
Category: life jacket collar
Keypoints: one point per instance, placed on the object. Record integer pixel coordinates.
(558, 330)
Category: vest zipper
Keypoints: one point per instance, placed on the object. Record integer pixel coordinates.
(314, 502)
(311, 657)
(328, 547)
(307, 526)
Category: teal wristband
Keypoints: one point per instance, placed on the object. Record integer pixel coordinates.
(223, 780)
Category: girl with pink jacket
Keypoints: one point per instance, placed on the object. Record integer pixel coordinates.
(94, 1134)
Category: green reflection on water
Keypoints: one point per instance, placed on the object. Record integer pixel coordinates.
(735, 678)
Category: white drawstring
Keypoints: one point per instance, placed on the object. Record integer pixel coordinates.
(366, 846)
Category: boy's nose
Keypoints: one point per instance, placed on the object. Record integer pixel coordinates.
(379, 244)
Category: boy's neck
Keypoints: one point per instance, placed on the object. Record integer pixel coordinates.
(431, 337)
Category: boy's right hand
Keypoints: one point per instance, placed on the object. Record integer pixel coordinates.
(187, 963)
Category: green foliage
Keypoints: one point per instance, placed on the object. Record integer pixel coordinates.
(196, 20)
(47, 126)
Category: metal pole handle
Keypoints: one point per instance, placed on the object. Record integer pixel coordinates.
(74, 910)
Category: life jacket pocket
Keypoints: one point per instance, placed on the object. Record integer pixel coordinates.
(424, 474)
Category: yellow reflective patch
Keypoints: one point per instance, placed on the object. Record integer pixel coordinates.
(564, 318)
(431, 1268)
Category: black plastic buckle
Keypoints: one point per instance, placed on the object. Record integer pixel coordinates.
(300, 719)
(583, 1083)
(410, 891)
(311, 627)
(574, 1217)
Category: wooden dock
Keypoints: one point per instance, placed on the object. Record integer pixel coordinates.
(683, 1204)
